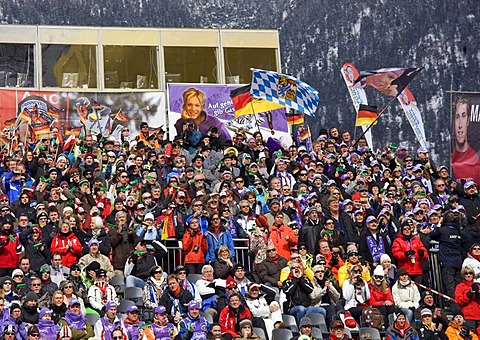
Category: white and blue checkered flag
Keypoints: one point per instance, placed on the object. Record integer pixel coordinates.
(285, 90)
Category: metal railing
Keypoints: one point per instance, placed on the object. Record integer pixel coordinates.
(175, 255)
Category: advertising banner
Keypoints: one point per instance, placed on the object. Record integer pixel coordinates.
(71, 111)
(466, 136)
(211, 105)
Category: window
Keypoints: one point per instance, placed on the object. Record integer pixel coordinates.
(130, 67)
(16, 65)
(238, 62)
(190, 65)
(69, 66)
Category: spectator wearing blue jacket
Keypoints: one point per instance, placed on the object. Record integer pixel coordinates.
(217, 236)
(14, 182)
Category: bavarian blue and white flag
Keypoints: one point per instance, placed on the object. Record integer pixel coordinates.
(285, 90)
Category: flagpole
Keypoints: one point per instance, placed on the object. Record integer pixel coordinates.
(292, 112)
(375, 121)
(256, 120)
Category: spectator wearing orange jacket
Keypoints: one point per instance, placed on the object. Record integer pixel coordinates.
(195, 246)
(282, 236)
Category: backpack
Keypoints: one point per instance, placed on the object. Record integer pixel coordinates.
(371, 317)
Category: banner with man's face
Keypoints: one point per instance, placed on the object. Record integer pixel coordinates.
(465, 136)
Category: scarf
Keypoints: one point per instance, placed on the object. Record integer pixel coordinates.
(103, 286)
(75, 321)
(48, 329)
(177, 292)
(158, 283)
(476, 257)
(404, 284)
(376, 250)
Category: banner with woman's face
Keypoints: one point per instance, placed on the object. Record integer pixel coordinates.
(211, 105)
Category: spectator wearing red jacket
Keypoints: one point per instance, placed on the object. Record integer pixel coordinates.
(282, 236)
(467, 295)
(231, 315)
(409, 251)
(67, 244)
(10, 247)
(380, 294)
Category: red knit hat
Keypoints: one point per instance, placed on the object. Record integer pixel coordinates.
(230, 282)
(261, 221)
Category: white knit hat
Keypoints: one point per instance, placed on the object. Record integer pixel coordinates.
(385, 257)
(378, 271)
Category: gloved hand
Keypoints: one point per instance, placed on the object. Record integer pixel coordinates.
(421, 252)
(409, 253)
(475, 287)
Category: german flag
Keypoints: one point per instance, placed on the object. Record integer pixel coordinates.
(73, 131)
(25, 116)
(41, 130)
(96, 105)
(295, 118)
(10, 122)
(305, 134)
(244, 104)
(53, 112)
(366, 115)
(121, 117)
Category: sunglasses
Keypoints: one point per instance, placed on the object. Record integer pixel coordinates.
(476, 248)
(68, 287)
(270, 250)
(320, 271)
(117, 337)
(469, 273)
(378, 277)
(158, 272)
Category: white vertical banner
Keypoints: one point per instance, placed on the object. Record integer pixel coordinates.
(358, 95)
(409, 106)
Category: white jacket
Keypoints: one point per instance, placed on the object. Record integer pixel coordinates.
(350, 294)
(95, 295)
(405, 296)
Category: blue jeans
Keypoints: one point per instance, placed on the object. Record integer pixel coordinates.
(133, 281)
(408, 314)
(300, 311)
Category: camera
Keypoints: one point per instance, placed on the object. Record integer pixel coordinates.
(465, 333)
(190, 126)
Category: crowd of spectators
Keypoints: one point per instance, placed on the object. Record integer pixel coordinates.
(328, 227)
